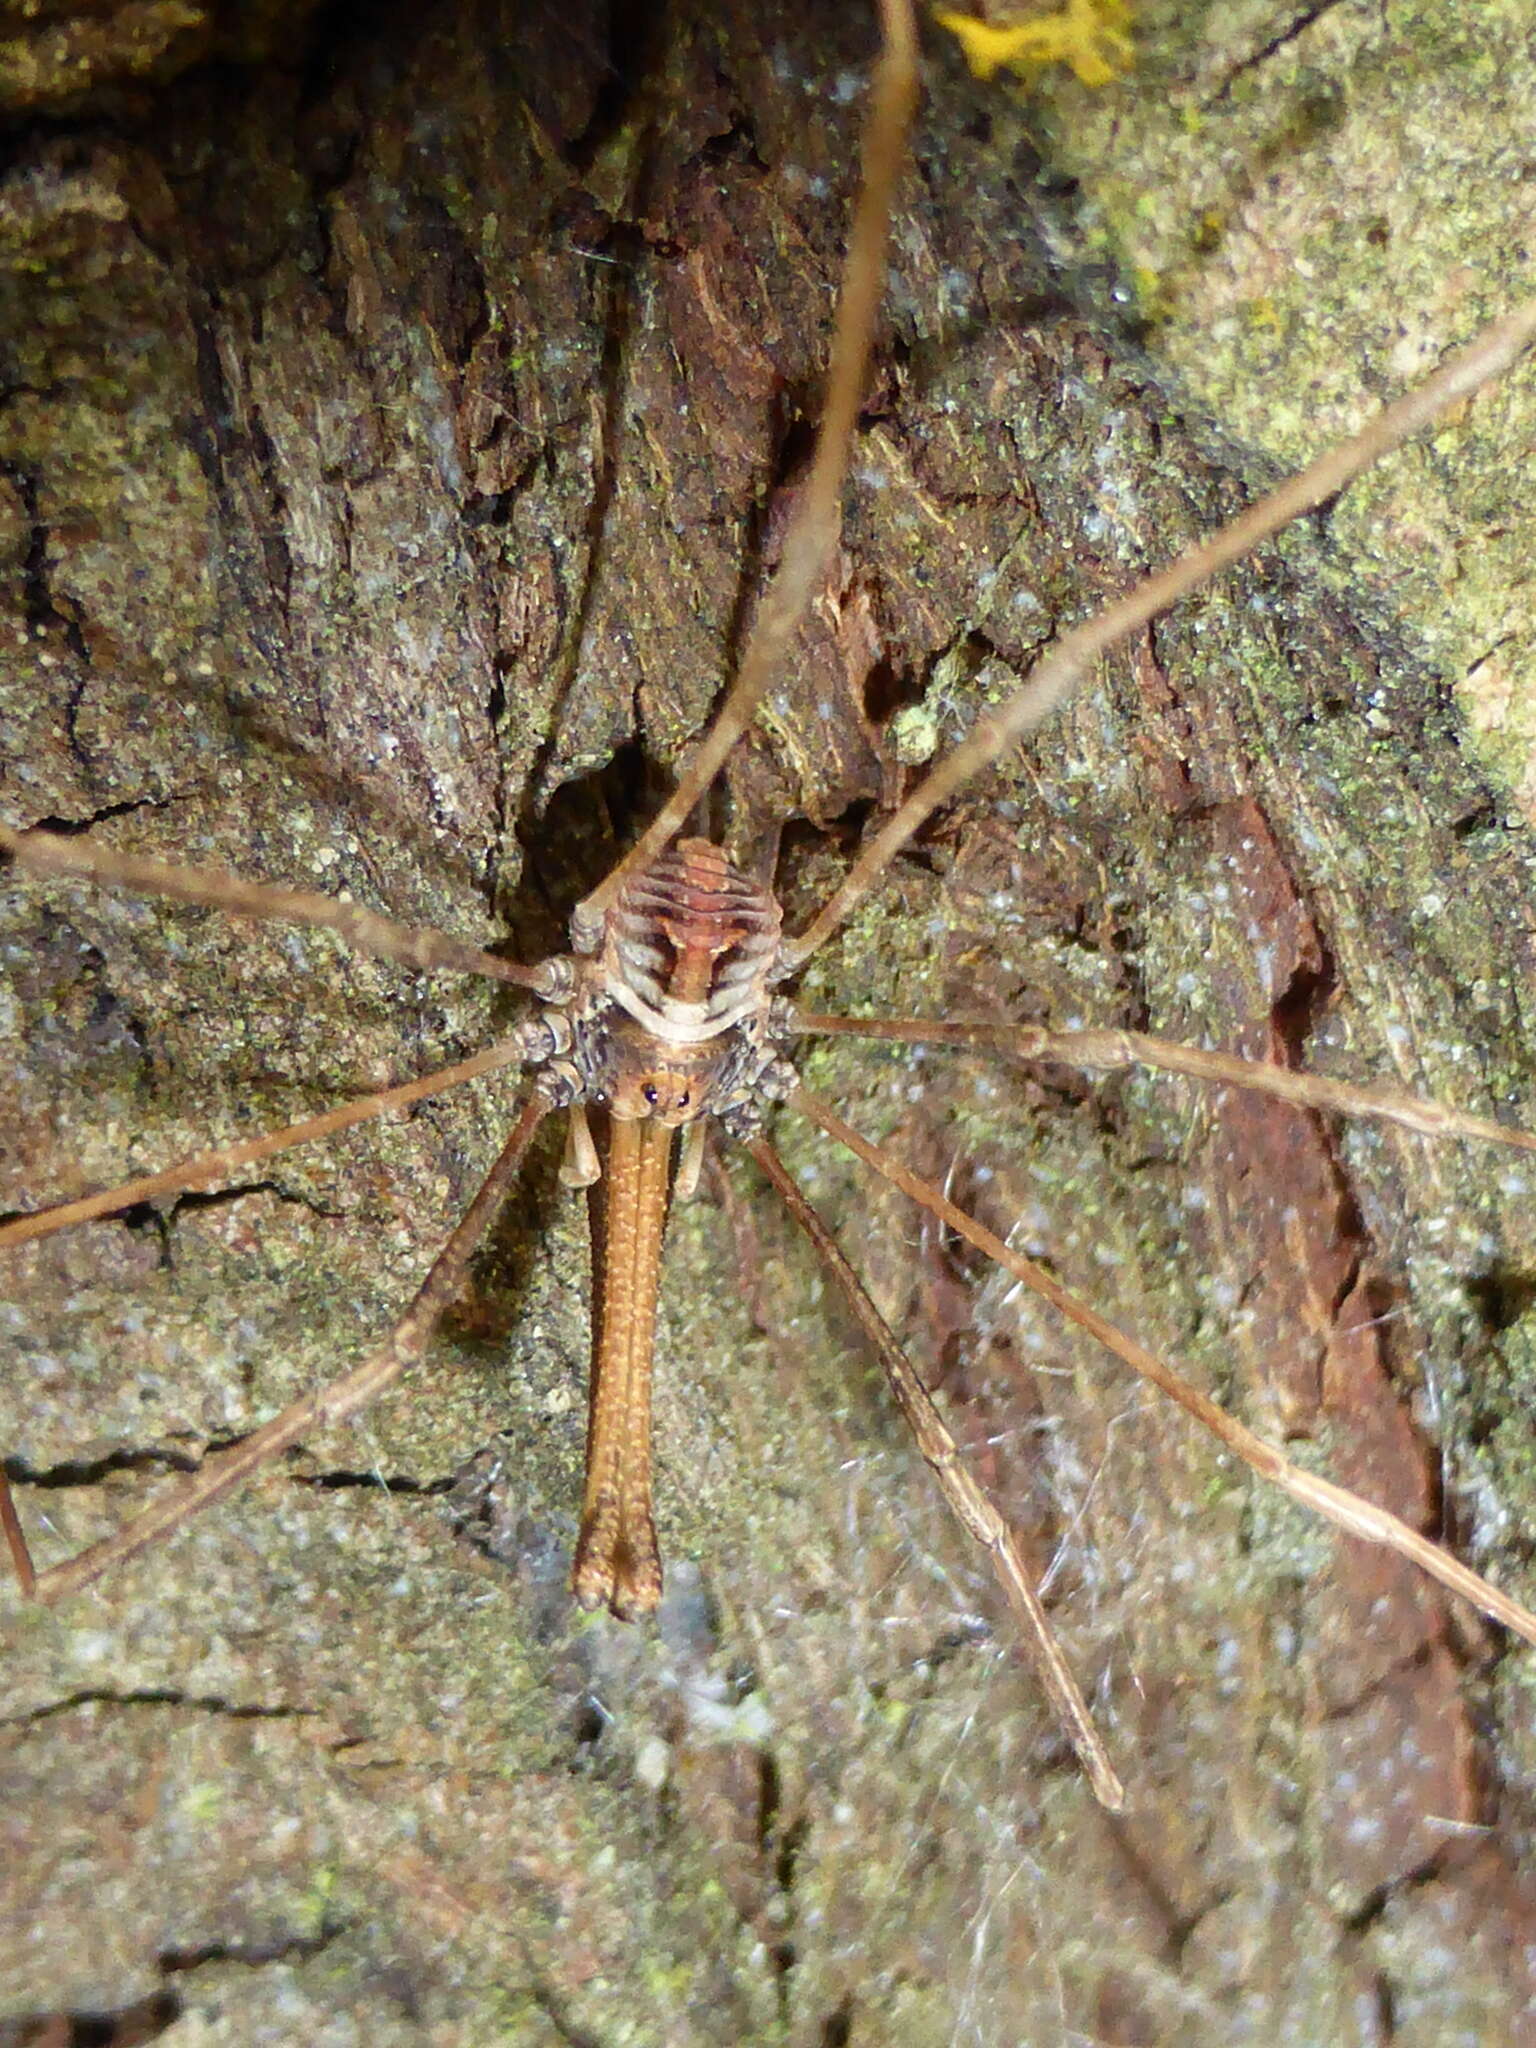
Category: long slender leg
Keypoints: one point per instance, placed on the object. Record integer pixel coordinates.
(218, 1474)
(205, 1168)
(977, 1514)
(419, 946)
(1062, 669)
(814, 527)
(16, 1541)
(1102, 1051)
(1345, 1510)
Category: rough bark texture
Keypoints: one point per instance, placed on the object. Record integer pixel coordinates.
(402, 408)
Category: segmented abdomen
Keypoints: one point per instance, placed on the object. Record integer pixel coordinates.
(689, 943)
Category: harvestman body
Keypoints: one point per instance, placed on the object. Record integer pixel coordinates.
(665, 1012)
(671, 1019)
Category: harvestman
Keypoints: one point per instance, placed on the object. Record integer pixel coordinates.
(665, 1011)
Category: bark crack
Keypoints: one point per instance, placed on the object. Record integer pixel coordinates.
(286, 1948)
(157, 1697)
(1276, 43)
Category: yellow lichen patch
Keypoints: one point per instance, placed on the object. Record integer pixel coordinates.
(1089, 35)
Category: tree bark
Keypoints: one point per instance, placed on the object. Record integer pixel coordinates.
(403, 411)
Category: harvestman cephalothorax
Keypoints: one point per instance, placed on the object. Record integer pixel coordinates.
(670, 1008)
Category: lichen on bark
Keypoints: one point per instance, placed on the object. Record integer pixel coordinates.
(393, 438)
